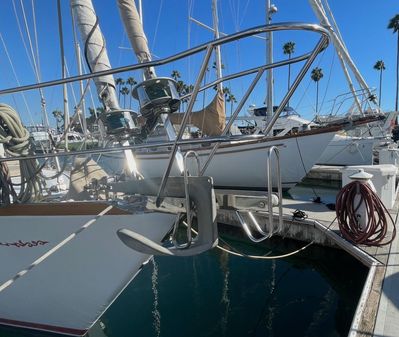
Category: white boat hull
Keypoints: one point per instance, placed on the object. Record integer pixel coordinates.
(346, 151)
(239, 165)
(69, 290)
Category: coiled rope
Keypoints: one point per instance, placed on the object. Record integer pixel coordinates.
(376, 229)
(15, 139)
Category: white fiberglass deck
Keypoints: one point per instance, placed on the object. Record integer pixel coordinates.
(68, 290)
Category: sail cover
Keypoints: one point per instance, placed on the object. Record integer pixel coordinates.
(135, 32)
(134, 29)
(211, 120)
(94, 49)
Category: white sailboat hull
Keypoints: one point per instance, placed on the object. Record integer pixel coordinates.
(69, 290)
(240, 165)
(346, 150)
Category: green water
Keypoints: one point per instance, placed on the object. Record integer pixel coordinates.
(313, 293)
(215, 294)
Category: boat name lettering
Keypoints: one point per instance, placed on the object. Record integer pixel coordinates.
(20, 243)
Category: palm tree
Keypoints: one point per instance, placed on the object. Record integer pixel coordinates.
(181, 87)
(232, 99)
(119, 82)
(124, 91)
(228, 95)
(226, 92)
(380, 66)
(175, 75)
(316, 75)
(214, 66)
(131, 82)
(289, 49)
(92, 113)
(394, 25)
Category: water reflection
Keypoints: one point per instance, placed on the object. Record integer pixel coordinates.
(155, 312)
(224, 267)
(215, 294)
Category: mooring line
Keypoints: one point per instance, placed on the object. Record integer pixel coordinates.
(54, 249)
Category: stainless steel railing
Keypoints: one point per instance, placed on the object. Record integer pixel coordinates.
(266, 233)
(207, 48)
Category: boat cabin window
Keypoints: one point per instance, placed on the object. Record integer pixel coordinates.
(287, 111)
(277, 131)
(36, 128)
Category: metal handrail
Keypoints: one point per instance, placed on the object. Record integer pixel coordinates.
(263, 232)
(233, 117)
(242, 139)
(223, 40)
(340, 99)
(323, 42)
(279, 188)
(208, 48)
(188, 205)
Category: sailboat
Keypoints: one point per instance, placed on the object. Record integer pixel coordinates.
(246, 162)
(355, 146)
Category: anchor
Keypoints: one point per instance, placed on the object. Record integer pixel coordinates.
(196, 190)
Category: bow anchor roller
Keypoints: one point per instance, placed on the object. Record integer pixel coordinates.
(201, 195)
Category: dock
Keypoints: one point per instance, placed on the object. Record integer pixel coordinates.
(323, 172)
(377, 313)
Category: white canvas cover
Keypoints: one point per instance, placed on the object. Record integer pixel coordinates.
(97, 55)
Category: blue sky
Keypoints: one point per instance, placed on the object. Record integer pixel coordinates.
(362, 24)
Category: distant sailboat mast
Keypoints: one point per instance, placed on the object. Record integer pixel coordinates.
(270, 10)
(342, 52)
(217, 48)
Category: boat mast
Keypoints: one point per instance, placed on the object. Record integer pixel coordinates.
(63, 72)
(217, 48)
(342, 52)
(82, 108)
(270, 10)
(141, 12)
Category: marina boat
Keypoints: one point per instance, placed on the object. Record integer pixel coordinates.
(44, 139)
(343, 150)
(40, 137)
(355, 146)
(303, 147)
(63, 260)
(75, 141)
